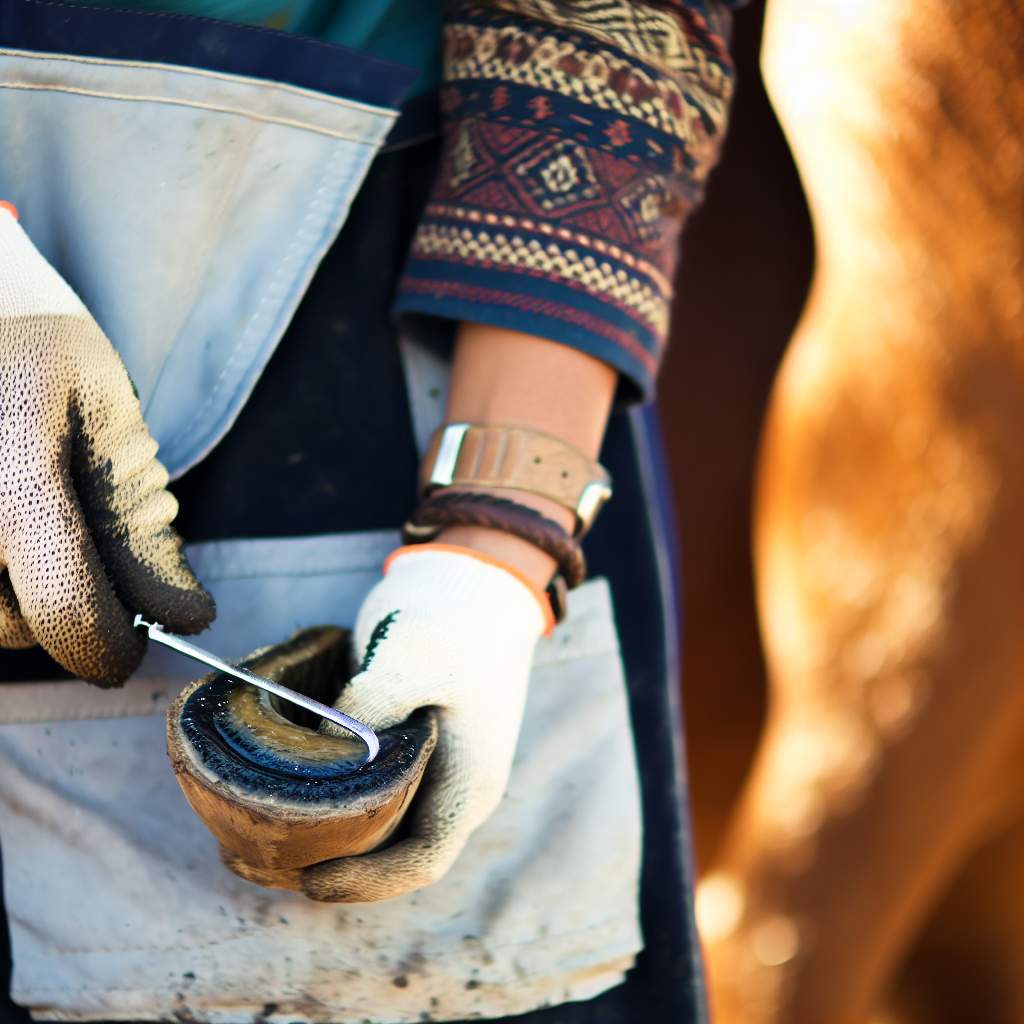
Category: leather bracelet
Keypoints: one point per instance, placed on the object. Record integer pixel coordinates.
(448, 508)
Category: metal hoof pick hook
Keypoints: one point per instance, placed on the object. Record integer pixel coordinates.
(157, 632)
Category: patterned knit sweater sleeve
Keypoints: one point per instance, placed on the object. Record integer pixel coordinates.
(578, 135)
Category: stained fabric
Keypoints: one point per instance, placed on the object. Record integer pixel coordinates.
(120, 905)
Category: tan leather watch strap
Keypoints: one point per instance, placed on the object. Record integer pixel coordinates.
(466, 455)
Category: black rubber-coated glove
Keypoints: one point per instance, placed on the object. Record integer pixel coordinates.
(85, 535)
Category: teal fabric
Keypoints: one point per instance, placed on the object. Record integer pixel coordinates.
(405, 31)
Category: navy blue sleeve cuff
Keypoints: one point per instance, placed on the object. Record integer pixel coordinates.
(524, 298)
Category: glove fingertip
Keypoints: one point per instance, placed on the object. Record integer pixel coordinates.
(182, 605)
(188, 611)
(115, 660)
(410, 864)
(319, 889)
(152, 576)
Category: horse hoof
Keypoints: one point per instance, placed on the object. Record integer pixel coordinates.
(276, 793)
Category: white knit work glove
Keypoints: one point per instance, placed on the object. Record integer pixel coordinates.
(85, 537)
(445, 629)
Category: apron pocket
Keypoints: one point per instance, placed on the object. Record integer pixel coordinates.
(120, 909)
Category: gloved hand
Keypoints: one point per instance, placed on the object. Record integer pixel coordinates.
(85, 537)
(450, 629)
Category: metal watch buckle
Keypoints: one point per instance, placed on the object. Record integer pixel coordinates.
(443, 471)
(594, 495)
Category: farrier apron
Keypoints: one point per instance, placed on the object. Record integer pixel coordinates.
(186, 177)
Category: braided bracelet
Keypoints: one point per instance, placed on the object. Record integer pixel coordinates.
(448, 508)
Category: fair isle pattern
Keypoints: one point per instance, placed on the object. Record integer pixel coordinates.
(690, 107)
(630, 27)
(577, 139)
(661, 103)
(612, 205)
(513, 171)
(604, 249)
(547, 259)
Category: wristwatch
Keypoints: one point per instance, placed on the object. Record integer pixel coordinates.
(469, 456)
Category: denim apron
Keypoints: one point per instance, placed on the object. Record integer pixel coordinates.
(186, 177)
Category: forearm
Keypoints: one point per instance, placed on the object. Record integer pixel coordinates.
(504, 377)
(571, 233)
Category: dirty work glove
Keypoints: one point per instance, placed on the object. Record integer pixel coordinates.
(445, 628)
(85, 537)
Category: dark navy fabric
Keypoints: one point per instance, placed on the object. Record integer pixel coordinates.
(325, 442)
(419, 120)
(253, 51)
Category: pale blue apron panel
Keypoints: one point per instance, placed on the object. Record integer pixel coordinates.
(189, 209)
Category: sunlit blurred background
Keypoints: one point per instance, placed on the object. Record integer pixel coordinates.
(747, 262)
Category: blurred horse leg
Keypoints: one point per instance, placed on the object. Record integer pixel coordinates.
(889, 528)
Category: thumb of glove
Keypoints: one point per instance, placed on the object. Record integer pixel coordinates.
(380, 696)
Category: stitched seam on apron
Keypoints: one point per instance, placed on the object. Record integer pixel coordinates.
(99, 93)
(284, 574)
(99, 717)
(178, 69)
